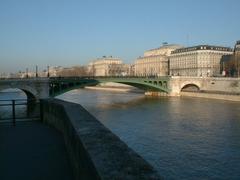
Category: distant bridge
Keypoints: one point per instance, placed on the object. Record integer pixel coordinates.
(50, 87)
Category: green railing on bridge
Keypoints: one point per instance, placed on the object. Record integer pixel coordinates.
(61, 85)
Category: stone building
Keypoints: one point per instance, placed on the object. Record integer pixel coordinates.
(237, 57)
(201, 60)
(131, 70)
(155, 62)
(107, 66)
(230, 65)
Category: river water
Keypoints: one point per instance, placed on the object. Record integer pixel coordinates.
(183, 138)
(22, 112)
(5, 99)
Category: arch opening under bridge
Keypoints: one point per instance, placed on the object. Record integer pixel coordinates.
(146, 84)
(190, 87)
(30, 94)
(18, 104)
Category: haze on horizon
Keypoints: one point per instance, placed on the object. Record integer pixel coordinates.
(67, 33)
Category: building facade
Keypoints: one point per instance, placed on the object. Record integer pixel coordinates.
(237, 58)
(202, 60)
(131, 70)
(230, 65)
(155, 62)
(107, 66)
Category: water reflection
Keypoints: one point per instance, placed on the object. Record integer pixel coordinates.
(184, 138)
(22, 110)
(5, 98)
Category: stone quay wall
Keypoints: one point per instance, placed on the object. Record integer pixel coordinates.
(94, 151)
(226, 97)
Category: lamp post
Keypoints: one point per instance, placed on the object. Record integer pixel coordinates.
(26, 72)
(36, 71)
(48, 75)
(237, 56)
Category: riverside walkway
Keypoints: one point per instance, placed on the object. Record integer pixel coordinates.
(33, 150)
(81, 148)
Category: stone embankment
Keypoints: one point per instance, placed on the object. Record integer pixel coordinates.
(208, 95)
(229, 93)
(94, 151)
(228, 97)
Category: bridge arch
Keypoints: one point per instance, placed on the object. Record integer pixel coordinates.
(190, 86)
(143, 84)
(61, 85)
(30, 92)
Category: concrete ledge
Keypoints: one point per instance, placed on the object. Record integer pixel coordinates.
(95, 152)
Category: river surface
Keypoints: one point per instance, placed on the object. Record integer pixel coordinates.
(183, 138)
(22, 111)
(6, 107)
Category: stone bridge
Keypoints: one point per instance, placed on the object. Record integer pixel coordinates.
(206, 84)
(33, 88)
(39, 88)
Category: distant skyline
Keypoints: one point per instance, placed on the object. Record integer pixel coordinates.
(73, 32)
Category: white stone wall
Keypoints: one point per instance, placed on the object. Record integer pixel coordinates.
(155, 61)
(196, 63)
(163, 50)
(151, 66)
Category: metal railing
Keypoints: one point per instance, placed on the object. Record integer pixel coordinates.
(19, 110)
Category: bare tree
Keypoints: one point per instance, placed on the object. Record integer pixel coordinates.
(75, 71)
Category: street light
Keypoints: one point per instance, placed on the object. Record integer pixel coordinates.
(48, 75)
(36, 71)
(26, 72)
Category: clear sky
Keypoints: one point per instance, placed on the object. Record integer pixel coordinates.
(72, 32)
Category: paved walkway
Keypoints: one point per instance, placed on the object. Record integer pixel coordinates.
(33, 151)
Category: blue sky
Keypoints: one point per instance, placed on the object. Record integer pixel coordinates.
(68, 32)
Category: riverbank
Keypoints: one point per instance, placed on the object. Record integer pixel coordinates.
(227, 97)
